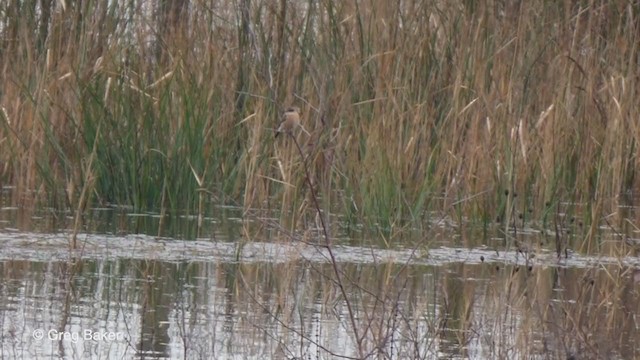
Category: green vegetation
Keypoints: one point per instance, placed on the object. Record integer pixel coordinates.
(413, 107)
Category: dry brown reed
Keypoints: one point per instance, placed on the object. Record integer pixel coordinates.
(411, 107)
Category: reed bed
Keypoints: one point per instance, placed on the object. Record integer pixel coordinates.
(507, 111)
(411, 106)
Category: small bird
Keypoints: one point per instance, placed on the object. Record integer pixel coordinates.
(290, 120)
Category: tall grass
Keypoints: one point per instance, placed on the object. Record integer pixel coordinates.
(411, 107)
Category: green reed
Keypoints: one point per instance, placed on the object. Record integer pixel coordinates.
(410, 107)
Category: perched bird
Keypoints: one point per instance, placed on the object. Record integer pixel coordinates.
(290, 120)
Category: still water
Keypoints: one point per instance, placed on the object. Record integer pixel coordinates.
(233, 294)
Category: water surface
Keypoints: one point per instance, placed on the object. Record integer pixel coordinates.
(225, 295)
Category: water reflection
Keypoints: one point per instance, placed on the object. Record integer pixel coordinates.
(225, 296)
(215, 309)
